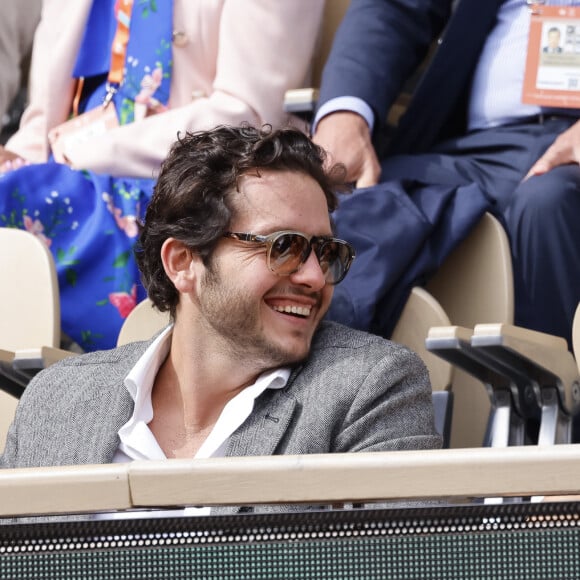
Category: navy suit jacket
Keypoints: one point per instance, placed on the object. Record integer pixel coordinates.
(381, 43)
(378, 46)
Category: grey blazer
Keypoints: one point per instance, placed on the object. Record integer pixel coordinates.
(355, 392)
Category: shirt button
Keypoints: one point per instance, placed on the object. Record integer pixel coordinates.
(179, 38)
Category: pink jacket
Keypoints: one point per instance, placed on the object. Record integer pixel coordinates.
(239, 58)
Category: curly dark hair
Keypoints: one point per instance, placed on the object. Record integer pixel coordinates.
(192, 199)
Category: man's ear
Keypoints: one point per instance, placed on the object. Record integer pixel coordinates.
(181, 264)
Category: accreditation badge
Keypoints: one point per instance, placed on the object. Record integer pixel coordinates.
(552, 74)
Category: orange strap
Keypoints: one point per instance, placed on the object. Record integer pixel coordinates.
(118, 55)
(77, 98)
(120, 41)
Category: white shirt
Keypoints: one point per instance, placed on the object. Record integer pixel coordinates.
(496, 89)
(139, 443)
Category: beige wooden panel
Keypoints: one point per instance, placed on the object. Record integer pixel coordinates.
(29, 294)
(142, 323)
(71, 489)
(359, 477)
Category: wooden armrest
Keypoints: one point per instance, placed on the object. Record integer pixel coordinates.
(300, 100)
(545, 358)
(453, 343)
(17, 368)
(39, 358)
(6, 356)
(326, 478)
(69, 489)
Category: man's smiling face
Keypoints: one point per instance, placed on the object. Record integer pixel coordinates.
(262, 315)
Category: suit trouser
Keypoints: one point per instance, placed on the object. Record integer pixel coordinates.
(541, 216)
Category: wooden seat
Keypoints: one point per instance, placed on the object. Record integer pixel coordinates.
(29, 310)
(142, 323)
(475, 285)
(420, 313)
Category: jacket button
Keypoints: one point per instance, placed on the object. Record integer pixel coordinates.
(179, 38)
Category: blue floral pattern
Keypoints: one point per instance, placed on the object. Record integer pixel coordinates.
(88, 220)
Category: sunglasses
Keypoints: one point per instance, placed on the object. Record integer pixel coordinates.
(287, 251)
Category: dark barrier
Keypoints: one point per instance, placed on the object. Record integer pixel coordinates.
(508, 541)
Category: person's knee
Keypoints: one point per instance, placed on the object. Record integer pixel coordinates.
(550, 198)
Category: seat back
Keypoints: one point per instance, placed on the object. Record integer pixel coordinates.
(8, 405)
(475, 285)
(421, 312)
(29, 303)
(29, 294)
(142, 323)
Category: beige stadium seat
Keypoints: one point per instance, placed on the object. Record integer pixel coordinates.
(7, 409)
(531, 378)
(29, 305)
(421, 312)
(475, 286)
(302, 101)
(475, 283)
(142, 323)
(29, 313)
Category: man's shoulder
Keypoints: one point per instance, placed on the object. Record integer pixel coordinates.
(98, 368)
(335, 337)
(334, 334)
(345, 358)
(127, 354)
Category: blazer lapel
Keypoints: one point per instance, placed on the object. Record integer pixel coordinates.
(113, 415)
(263, 430)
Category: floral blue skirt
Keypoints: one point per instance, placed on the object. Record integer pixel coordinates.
(89, 222)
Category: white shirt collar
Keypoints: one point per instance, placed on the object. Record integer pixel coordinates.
(137, 440)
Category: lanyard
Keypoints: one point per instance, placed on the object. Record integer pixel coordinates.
(119, 49)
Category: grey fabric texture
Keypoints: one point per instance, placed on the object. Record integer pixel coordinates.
(356, 392)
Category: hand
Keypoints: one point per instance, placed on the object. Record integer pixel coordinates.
(564, 150)
(347, 139)
(10, 161)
